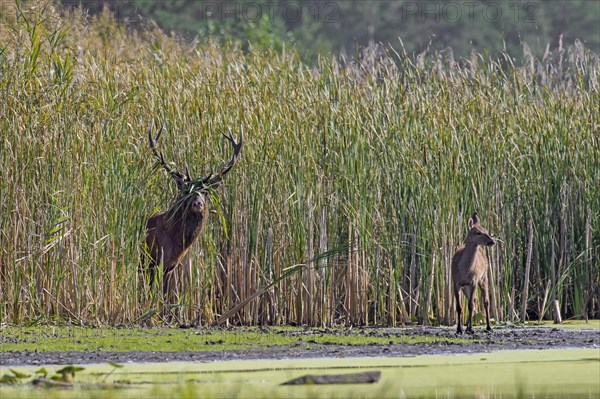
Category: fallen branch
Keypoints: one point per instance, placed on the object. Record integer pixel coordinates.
(368, 377)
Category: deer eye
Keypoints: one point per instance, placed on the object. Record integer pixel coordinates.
(478, 233)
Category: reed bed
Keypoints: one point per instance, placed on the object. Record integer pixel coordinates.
(353, 191)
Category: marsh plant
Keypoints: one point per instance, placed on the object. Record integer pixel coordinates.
(356, 182)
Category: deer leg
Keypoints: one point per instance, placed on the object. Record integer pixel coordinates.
(168, 294)
(152, 271)
(458, 310)
(486, 305)
(168, 284)
(165, 286)
(471, 296)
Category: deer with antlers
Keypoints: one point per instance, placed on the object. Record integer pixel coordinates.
(170, 234)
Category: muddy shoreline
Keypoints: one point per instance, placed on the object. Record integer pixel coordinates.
(503, 338)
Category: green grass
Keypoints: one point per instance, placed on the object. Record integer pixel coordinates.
(527, 373)
(48, 339)
(356, 178)
(571, 324)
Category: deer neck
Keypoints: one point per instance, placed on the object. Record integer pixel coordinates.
(185, 226)
(471, 250)
(192, 226)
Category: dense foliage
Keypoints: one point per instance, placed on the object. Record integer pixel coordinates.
(353, 190)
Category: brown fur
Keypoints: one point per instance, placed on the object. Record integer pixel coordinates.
(469, 270)
(169, 236)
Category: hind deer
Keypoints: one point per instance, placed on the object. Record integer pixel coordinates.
(469, 270)
(170, 234)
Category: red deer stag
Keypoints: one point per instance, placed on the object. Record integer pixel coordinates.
(170, 234)
(469, 270)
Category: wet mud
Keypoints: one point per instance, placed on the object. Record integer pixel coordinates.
(502, 338)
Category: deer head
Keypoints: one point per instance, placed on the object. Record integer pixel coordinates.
(478, 234)
(193, 193)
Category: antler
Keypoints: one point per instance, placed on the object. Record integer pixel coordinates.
(215, 181)
(177, 176)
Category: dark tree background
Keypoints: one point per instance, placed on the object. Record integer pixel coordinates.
(326, 26)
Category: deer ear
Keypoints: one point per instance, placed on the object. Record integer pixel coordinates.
(179, 181)
(470, 224)
(475, 218)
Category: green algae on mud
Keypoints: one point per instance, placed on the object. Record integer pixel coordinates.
(73, 339)
(47, 339)
(571, 324)
(548, 373)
